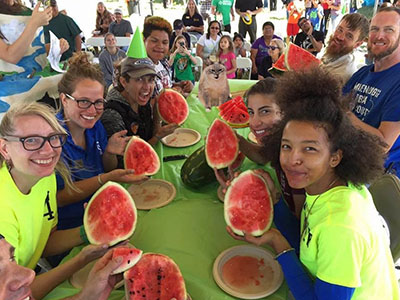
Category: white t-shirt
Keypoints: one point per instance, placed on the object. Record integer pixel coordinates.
(209, 45)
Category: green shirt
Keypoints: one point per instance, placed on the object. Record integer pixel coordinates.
(224, 7)
(183, 67)
(345, 243)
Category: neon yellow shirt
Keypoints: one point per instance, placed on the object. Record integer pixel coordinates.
(345, 243)
(27, 220)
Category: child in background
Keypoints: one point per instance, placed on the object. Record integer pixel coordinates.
(182, 60)
(226, 56)
(238, 45)
(316, 14)
(296, 10)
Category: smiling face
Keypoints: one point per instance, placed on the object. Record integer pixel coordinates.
(384, 35)
(118, 17)
(306, 158)
(191, 6)
(110, 41)
(15, 279)
(343, 41)
(264, 113)
(100, 8)
(86, 89)
(305, 25)
(157, 44)
(138, 90)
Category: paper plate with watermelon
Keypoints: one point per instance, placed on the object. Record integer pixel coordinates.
(234, 112)
(294, 58)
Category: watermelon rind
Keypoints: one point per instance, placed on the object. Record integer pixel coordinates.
(232, 195)
(151, 155)
(177, 119)
(132, 260)
(223, 145)
(149, 267)
(113, 218)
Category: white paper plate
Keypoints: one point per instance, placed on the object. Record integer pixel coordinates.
(252, 138)
(181, 137)
(247, 272)
(152, 193)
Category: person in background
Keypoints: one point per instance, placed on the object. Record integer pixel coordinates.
(207, 46)
(120, 27)
(182, 60)
(336, 14)
(327, 15)
(110, 54)
(63, 27)
(103, 20)
(309, 39)
(226, 56)
(225, 8)
(295, 10)
(238, 45)
(179, 30)
(276, 49)
(248, 10)
(192, 20)
(316, 15)
(205, 10)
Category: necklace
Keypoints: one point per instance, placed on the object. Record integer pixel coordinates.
(305, 223)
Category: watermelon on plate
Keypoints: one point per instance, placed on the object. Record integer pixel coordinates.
(141, 157)
(222, 145)
(235, 112)
(154, 277)
(172, 107)
(248, 205)
(110, 216)
(130, 256)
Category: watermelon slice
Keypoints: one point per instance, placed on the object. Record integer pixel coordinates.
(278, 68)
(155, 276)
(222, 145)
(110, 216)
(299, 59)
(248, 205)
(141, 157)
(130, 257)
(172, 107)
(235, 112)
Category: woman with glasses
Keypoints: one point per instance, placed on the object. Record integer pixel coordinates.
(276, 48)
(343, 245)
(31, 141)
(91, 158)
(207, 46)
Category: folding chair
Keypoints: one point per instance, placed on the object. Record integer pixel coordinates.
(198, 68)
(244, 63)
(193, 41)
(386, 194)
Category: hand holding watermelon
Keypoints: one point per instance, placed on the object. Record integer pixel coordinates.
(117, 143)
(123, 176)
(91, 252)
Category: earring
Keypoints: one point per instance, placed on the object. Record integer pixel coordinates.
(9, 164)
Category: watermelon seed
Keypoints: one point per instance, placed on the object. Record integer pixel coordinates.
(129, 261)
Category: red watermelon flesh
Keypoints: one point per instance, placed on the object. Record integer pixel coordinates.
(172, 107)
(129, 255)
(110, 216)
(238, 117)
(141, 157)
(154, 277)
(248, 205)
(226, 105)
(280, 64)
(299, 59)
(222, 145)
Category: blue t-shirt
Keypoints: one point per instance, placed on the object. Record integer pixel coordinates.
(377, 96)
(84, 163)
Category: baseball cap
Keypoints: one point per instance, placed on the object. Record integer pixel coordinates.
(53, 2)
(178, 24)
(137, 67)
(118, 11)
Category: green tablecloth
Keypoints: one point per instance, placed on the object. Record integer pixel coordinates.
(191, 229)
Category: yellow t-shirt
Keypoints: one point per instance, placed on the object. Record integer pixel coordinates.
(345, 243)
(27, 220)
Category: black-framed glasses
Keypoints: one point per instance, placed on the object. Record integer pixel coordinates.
(85, 104)
(36, 142)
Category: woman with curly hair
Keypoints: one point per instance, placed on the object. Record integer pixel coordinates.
(343, 245)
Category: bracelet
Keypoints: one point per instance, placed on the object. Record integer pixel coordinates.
(283, 252)
(82, 234)
(99, 179)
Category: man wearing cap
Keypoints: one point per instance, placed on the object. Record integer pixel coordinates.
(178, 30)
(64, 27)
(309, 39)
(120, 27)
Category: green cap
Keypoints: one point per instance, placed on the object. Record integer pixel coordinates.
(137, 48)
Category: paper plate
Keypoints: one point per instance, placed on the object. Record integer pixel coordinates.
(79, 278)
(247, 272)
(220, 194)
(181, 137)
(152, 193)
(252, 138)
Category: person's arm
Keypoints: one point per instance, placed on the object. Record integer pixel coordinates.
(232, 14)
(253, 151)
(127, 34)
(191, 57)
(253, 54)
(160, 131)
(199, 50)
(213, 10)
(197, 28)
(255, 12)
(172, 57)
(14, 52)
(317, 45)
(78, 43)
(62, 240)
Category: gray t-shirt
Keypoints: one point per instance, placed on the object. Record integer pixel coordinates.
(120, 29)
(106, 61)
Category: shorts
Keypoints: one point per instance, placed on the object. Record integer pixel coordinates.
(292, 29)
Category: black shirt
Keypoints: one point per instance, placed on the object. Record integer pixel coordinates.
(195, 21)
(266, 64)
(245, 5)
(302, 40)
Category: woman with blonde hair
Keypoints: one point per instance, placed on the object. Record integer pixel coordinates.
(30, 147)
(276, 49)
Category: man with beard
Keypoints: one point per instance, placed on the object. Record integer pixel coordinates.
(338, 58)
(309, 39)
(376, 88)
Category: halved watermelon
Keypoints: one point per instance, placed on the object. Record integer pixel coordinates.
(141, 157)
(248, 205)
(129, 255)
(154, 277)
(172, 107)
(222, 145)
(298, 59)
(110, 216)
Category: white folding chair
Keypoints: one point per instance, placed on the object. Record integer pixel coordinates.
(244, 63)
(193, 40)
(198, 68)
